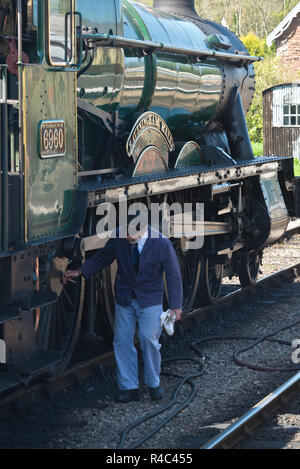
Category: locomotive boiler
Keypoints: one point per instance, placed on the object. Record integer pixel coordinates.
(109, 100)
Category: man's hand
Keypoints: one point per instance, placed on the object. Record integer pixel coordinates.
(71, 274)
(177, 312)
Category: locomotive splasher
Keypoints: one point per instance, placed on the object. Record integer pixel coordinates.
(106, 99)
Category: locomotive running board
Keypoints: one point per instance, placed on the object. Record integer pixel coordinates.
(114, 190)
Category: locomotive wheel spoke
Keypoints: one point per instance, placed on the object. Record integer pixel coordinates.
(63, 317)
(100, 311)
(44, 328)
(53, 331)
(105, 304)
(210, 282)
(57, 324)
(68, 299)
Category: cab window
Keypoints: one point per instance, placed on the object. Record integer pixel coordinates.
(35, 13)
(99, 15)
(60, 31)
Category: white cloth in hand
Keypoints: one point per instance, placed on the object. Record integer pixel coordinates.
(167, 320)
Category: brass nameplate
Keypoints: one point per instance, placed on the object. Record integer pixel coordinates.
(149, 120)
(52, 139)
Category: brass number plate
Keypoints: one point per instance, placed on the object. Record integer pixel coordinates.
(52, 139)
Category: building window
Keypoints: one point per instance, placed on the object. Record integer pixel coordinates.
(291, 115)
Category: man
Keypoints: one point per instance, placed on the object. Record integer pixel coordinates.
(142, 259)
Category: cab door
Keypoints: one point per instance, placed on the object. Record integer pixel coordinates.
(50, 125)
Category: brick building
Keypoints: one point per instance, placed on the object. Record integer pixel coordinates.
(287, 39)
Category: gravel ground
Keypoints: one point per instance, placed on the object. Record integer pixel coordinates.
(88, 417)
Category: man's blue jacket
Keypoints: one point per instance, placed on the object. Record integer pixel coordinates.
(158, 256)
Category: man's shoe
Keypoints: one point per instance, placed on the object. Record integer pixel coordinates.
(156, 393)
(128, 395)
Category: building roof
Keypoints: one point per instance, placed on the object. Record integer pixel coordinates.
(280, 85)
(284, 25)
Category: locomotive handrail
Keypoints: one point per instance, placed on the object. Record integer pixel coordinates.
(62, 67)
(108, 40)
(4, 155)
(3, 83)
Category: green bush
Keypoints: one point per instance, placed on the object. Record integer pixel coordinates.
(297, 167)
(258, 148)
(255, 46)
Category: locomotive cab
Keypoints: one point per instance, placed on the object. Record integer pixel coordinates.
(39, 201)
(39, 131)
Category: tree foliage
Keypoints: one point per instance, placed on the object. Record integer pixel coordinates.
(244, 16)
(255, 45)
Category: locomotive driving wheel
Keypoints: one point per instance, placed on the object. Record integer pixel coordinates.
(248, 268)
(99, 298)
(57, 325)
(210, 284)
(188, 259)
(104, 287)
(189, 265)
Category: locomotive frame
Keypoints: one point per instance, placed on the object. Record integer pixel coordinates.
(106, 125)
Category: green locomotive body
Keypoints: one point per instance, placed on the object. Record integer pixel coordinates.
(108, 99)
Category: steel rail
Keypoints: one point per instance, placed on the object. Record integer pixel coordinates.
(294, 225)
(245, 425)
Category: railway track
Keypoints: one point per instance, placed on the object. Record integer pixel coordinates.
(245, 426)
(21, 398)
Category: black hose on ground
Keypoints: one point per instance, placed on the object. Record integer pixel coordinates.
(256, 341)
(184, 380)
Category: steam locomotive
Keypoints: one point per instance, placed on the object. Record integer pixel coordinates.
(108, 99)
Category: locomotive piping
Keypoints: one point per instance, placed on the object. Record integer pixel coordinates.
(236, 127)
(106, 40)
(21, 113)
(91, 53)
(4, 168)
